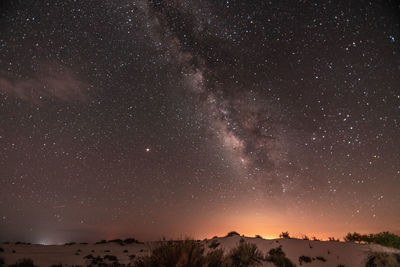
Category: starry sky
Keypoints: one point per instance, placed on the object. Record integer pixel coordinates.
(150, 118)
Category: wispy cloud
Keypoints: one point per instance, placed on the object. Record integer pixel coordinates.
(51, 81)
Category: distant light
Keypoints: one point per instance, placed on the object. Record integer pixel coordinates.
(147, 149)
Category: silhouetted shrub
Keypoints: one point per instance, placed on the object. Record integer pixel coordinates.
(90, 256)
(232, 233)
(56, 265)
(214, 244)
(110, 258)
(2, 262)
(245, 254)
(1, 249)
(107, 250)
(83, 243)
(379, 259)
(304, 259)
(214, 258)
(321, 259)
(118, 241)
(384, 238)
(315, 239)
(305, 238)
(215, 237)
(284, 235)
(278, 257)
(101, 242)
(333, 239)
(132, 241)
(70, 244)
(340, 265)
(258, 236)
(13, 251)
(125, 251)
(174, 253)
(23, 263)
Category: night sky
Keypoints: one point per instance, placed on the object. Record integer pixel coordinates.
(124, 118)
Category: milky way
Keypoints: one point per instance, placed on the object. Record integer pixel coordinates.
(166, 118)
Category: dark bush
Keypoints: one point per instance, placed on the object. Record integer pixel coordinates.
(70, 244)
(246, 254)
(214, 244)
(278, 257)
(258, 236)
(2, 262)
(90, 256)
(125, 251)
(284, 235)
(383, 259)
(384, 238)
(232, 233)
(174, 253)
(101, 242)
(132, 241)
(304, 259)
(110, 258)
(23, 263)
(214, 258)
(118, 241)
(1, 249)
(321, 259)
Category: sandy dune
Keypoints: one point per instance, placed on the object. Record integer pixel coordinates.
(335, 253)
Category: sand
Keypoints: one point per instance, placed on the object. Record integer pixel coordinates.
(335, 253)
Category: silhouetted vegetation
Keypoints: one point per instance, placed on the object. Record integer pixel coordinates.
(258, 236)
(305, 237)
(383, 260)
(21, 243)
(232, 233)
(246, 254)
(1, 249)
(110, 258)
(118, 241)
(284, 235)
(214, 244)
(304, 259)
(174, 253)
(384, 238)
(90, 256)
(321, 259)
(278, 257)
(70, 244)
(333, 239)
(191, 253)
(132, 241)
(214, 258)
(23, 263)
(101, 242)
(2, 262)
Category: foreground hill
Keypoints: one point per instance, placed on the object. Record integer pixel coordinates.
(299, 252)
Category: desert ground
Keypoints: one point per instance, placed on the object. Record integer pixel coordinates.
(322, 253)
